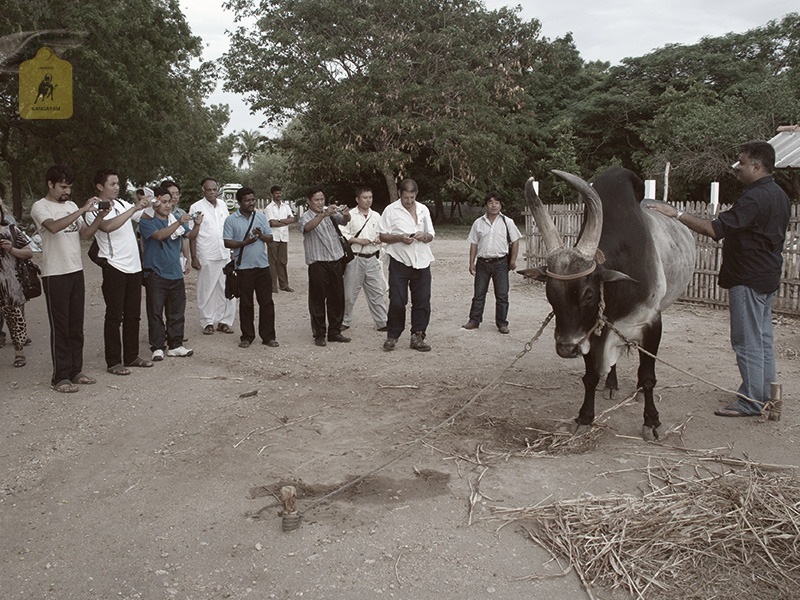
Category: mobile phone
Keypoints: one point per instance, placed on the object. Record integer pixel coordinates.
(104, 205)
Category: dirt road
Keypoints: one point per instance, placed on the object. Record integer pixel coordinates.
(141, 486)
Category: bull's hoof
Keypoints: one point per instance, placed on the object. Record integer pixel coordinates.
(578, 429)
(609, 393)
(653, 434)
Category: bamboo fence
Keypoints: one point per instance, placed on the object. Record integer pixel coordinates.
(703, 288)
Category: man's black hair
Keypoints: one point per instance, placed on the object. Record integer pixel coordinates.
(160, 191)
(59, 174)
(168, 183)
(242, 192)
(102, 175)
(275, 188)
(202, 183)
(363, 189)
(761, 152)
(492, 196)
(314, 189)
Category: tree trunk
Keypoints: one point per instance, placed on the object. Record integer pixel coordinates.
(16, 190)
(391, 185)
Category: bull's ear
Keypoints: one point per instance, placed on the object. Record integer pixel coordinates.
(538, 273)
(611, 275)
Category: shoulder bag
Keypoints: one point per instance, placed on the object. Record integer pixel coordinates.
(27, 273)
(232, 284)
(348, 251)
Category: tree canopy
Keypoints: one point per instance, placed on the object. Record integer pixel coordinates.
(391, 87)
(138, 104)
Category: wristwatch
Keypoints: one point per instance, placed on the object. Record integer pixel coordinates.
(678, 216)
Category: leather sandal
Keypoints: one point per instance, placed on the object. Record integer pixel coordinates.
(224, 328)
(139, 362)
(65, 386)
(83, 379)
(118, 370)
(19, 361)
(208, 330)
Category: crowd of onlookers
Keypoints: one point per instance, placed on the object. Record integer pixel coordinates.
(241, 258)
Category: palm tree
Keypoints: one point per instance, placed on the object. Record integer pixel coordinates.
(248, 145)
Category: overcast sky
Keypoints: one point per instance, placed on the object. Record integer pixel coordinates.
(607, 30)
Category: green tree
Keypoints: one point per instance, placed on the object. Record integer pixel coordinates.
(248, 145)
(138, 104)
(693, 106)
(384, 86)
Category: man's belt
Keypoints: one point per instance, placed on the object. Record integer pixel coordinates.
(494, 259)
(366, 255)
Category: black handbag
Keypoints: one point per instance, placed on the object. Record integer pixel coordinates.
(232, 284)
(348, 251)
(28, 273)
(94, 254)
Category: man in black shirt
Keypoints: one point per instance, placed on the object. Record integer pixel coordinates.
(754, 230)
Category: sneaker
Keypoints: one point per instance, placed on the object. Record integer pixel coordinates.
(389, 344)
(470, 325)
(158, 355)
(503, 329)
(338, 338)
(180, 351)
(418, 342)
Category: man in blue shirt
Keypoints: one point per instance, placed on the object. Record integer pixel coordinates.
(162, 239)
(246, 232)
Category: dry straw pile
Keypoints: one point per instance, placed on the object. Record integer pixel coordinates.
(721, 536)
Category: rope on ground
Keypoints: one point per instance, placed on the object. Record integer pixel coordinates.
(527, 348)
(635, 345)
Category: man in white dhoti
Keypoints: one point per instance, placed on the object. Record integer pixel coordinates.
(209, 256)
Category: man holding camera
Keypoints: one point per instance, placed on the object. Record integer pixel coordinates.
(58, 221)
(122, 273)
(324, 255)
(162, 239)
(246, 232)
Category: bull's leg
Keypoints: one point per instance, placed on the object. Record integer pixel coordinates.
(611, 382)
(590, 380)
(651, 338)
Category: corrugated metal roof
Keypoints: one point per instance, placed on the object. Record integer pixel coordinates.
(787, 147)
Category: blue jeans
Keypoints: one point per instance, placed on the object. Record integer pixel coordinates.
(752, 341)
(401, 279)
(497, 272)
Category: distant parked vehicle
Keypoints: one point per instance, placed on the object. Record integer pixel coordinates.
(228, 193)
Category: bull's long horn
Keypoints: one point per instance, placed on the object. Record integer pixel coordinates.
(590, 239)
(550, 236)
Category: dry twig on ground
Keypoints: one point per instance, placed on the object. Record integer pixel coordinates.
(723, 536)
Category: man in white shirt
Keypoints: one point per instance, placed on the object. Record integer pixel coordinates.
(57, 220)
(365, 269)
(209, 256)
(122, 274)
(407, 228)
(493, 248)
(280, 216)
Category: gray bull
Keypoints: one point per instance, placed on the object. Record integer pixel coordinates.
(634, 260)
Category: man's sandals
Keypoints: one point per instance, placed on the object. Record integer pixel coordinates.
(121, 369)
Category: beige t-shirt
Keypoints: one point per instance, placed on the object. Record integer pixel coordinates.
(61, 252)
